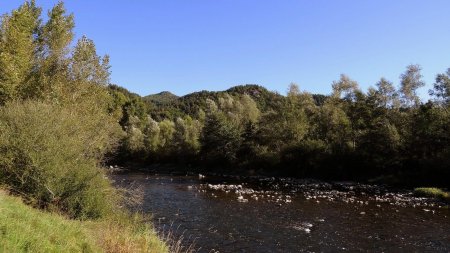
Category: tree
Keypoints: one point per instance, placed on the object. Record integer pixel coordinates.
(53, 61)
(186, 137)
(345, 88)
(134, 139)
(166, 132)
(152, 132)
(18, 33)
(87, 66)
(293, 116)
(386, 94)
(441, 90)
(411, 80)
(220, 139)
(249, 111)
(334, 125)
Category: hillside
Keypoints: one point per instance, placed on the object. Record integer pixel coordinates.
(167, 105)
(165, 97)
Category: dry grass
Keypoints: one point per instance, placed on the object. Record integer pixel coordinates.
(176, 243)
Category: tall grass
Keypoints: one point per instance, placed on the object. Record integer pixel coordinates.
(24, 229)
(177, 243)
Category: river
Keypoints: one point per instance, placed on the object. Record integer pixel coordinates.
(227, 214)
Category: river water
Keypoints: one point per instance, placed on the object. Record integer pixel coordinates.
(224, 214)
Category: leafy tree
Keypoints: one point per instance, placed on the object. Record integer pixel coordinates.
(152, 138)
(220, 139)
(345, 88)
(334, 125)
(441, 89)
(87, 66)
(166, 134)
(411, 80)
(18, 33)
(186, 137)
(134, 140)
(386, 95)
(53, 61)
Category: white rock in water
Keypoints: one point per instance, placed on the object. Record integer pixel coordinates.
(241, 199)
(308, 224)
(305, 227)
(362, 213)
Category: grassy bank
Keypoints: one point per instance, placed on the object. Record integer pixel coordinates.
(433, 192)
(24, 229)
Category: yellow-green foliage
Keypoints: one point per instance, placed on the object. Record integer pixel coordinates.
(49, 154)
(432, 192)
(24, 229)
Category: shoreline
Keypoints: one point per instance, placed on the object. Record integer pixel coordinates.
(347, 191)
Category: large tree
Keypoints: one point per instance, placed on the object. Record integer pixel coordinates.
(18, 33)
(441, 89)
(411, 80)
(54, 41)
(386, 95)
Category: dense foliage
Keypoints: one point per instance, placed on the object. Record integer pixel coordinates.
(55, 124)
(382, 135)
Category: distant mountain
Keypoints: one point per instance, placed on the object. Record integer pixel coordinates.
(167, 105)
(265, 99)
(161, 98)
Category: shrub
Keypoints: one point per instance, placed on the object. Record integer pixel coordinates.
(50, 155)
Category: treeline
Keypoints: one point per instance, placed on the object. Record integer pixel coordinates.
(385, 134)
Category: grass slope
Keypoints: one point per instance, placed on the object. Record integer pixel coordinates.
(433, 192)
(24, 229)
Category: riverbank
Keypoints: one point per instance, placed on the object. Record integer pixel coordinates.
(25, 229)
(308, 186)
(434, 193)
(170, 168)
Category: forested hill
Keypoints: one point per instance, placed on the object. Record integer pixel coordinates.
(385, 134)
(165, 97)
(167, 105)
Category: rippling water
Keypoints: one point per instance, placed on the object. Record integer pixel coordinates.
(273, 219)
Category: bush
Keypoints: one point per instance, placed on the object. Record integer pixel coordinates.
(50, 155)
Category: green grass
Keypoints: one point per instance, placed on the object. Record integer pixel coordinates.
(432, 192)
(25, 229)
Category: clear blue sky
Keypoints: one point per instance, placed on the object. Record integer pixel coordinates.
(190, 45)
